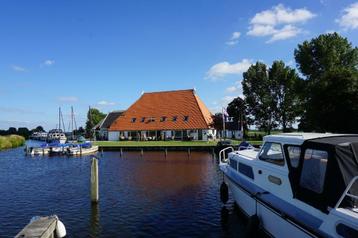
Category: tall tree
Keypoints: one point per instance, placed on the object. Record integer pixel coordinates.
(284, 83)
(330, 64)
(260, 103)
(237, 109)
(94, 116)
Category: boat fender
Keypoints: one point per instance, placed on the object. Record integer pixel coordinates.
(60, 229)
(224, 193)
(252, 226)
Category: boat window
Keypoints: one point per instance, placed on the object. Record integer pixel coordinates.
(233, 164)
(272, 153)
(294, 153)
(314, 170)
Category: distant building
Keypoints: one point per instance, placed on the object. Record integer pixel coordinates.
(102, 127)
(168, 115)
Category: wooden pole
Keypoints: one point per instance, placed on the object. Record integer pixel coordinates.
(141, 152)
(189, 152)
(121, 153)
(166, 152)
(94, 181)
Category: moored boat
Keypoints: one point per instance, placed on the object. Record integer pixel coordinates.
(82, 149)
(297, 185)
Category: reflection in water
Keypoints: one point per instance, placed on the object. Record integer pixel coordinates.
(95, 226)
(145, 196)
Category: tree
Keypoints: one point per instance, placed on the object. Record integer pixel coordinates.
(330, 65)
(237, 109)
(217, 121)
(23, 131)
(258, 98)
(94, 116)
(38, 129)
(285, 85)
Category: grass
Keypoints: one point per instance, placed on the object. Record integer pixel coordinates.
(162, 143)
(11, 141)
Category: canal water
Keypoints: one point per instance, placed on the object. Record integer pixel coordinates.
(140, 196)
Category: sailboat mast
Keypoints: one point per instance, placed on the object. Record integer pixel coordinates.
(59, 119)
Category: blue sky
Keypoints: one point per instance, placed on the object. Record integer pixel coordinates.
(106, 53)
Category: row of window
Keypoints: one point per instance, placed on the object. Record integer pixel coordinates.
(313, 168)
(162, 119)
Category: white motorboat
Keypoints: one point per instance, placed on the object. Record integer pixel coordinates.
(39, 150)
(82, 149)
(56, 135)
(297, 185)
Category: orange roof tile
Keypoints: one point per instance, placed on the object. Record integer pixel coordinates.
(166, 104)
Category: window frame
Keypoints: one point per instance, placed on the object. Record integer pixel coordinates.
(269, 161)
(322, 179)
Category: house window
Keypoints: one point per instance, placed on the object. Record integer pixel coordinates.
(294, 153)
(175, 118)
(186, 118)
(133, 119)
(314, 170)
(151, 119)
(272, 153)
(162, 119)
(143, 119)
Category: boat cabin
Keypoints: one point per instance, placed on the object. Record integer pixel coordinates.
(320, 167)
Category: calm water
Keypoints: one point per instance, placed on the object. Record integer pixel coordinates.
(139, 196)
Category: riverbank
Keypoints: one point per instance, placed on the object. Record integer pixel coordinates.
(11, 141)
(164, 143)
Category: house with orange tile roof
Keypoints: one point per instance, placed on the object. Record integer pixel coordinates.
(166, 115)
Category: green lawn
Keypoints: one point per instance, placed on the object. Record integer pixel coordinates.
(162, 143)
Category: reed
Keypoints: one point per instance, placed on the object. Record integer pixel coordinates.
(11, 141)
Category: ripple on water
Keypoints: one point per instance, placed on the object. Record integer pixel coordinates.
(150, 196)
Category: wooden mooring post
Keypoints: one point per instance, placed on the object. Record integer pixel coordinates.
(94, 181)
(121, 153)
(141, 152)
(166, 152)
(189, 152)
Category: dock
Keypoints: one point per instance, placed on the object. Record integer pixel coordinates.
(44, 227)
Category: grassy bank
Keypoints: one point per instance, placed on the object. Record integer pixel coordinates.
(162, 143)
(11, 141)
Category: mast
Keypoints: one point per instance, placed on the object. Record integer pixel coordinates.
(72, 122)
(59, 119)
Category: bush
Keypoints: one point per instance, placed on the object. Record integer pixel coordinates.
(11, 141)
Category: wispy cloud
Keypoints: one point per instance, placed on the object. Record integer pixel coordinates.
(67, 99)
(48, 62)
(106, 103)
(279, 22)
(18, 68)
(349, 19)
(16, 110)
(234, 38)
(220, 70)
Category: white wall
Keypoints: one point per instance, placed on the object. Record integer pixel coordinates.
(113, 135)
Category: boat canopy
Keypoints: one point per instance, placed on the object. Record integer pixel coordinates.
(326, 167)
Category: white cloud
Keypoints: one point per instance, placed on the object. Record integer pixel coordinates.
(68, 99)
(106, 103)
(279, 22)
(349, 20)
(48, 62)
(232, 89)
(234, 38)
(222, 69)
(18, 68)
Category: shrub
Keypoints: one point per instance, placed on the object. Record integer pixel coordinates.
(11, 141)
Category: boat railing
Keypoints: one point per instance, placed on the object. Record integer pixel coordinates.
(347, 193)
(222, 154)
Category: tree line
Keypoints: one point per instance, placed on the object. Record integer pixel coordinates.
(322, 96)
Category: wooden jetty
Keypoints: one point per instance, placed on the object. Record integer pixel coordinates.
(43, 227)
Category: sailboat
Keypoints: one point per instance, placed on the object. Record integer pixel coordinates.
(57, 135)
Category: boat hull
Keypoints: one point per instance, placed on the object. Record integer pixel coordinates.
(83, 151)
(271, 221)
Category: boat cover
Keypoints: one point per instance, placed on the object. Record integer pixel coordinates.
(342, 167)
